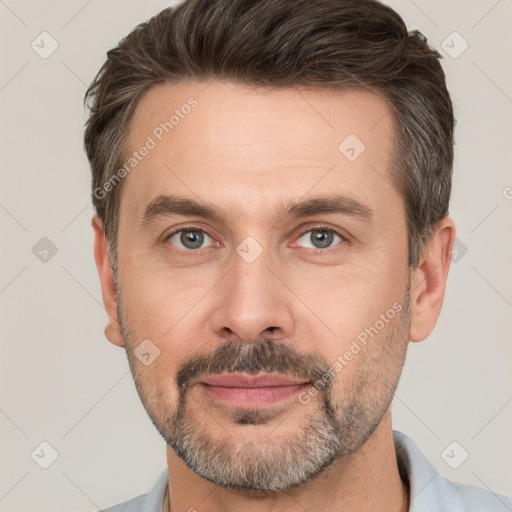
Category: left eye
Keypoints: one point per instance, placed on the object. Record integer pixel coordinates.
(320, 238)
(189, 238)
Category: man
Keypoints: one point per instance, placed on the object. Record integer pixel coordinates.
(271, 181)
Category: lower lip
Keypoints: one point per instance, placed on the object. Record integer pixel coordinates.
(253, 397)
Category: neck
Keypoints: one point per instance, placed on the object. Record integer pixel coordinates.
(365, 481)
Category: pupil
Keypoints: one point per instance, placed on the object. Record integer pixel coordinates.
(192, 239)
(322, 238)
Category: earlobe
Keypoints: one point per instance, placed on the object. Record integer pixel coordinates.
(428, 280)
(108, 291)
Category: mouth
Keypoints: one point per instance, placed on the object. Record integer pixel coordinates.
(255, 392)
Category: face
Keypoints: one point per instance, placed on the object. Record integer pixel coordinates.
(262, 276)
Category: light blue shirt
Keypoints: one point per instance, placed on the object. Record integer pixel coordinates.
(428, 490)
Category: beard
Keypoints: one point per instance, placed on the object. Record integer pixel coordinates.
(333, 427)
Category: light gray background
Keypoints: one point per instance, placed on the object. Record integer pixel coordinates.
(63, 383)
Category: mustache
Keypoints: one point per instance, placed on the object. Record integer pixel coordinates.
(269, 356)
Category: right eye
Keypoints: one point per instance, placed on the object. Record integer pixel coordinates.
(189, 238)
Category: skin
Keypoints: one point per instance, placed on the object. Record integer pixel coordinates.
(246, 152)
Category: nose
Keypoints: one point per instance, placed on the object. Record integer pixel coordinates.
(253, 303)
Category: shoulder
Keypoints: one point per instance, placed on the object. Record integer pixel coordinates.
(132, 505)
(153, 501)
(431, 492)
(470, 498)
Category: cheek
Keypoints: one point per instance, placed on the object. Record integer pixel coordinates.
(363, 311)
(157, 388)
(152, 316)
(370, 363)
(158, 303)
(350, 299)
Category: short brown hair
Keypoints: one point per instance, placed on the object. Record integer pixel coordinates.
(267, 43)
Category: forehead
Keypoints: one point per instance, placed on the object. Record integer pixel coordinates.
(229, 114)
(250, 141)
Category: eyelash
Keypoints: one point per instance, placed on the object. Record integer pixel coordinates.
(320, 227)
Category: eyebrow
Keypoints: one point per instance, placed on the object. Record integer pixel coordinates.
(337, 205)
(168, 205)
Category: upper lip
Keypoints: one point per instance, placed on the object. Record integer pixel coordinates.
(241, 380)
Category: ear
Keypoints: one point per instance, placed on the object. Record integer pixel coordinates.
(428, 280)
(108, 291)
